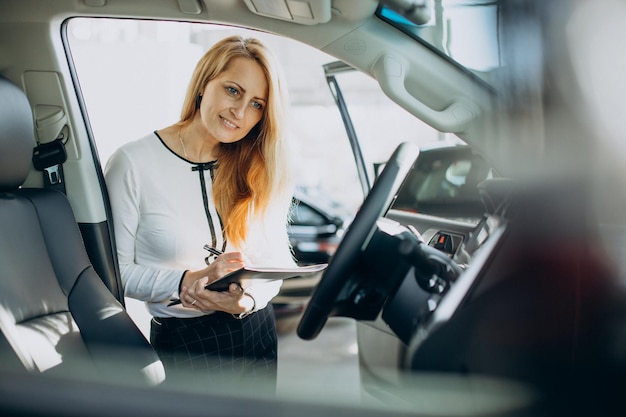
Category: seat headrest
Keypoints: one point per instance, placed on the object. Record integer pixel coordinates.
(16, 136)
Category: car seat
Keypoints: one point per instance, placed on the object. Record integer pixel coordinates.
(56, 314)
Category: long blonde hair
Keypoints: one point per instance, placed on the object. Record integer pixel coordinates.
(253, 172)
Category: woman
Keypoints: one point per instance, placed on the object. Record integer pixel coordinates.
(217, 177)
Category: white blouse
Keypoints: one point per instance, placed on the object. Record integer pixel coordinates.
(163, 215)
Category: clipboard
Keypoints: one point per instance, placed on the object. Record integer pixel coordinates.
(250, 276)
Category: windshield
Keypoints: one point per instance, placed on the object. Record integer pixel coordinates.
(466, 31)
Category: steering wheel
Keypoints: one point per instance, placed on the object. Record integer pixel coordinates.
(355, 240)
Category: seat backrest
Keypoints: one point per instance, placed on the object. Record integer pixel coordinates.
(56, 314)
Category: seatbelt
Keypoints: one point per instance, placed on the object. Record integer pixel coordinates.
(50, 154)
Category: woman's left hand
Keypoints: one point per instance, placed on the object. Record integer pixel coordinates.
(233, 301)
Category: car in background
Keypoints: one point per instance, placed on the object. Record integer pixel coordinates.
(316, 228)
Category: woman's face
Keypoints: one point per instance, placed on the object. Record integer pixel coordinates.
(234, 101)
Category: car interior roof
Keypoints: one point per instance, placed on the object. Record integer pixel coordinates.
(353, 36)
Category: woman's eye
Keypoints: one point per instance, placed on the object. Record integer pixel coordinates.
(257, 105)
(232, 90)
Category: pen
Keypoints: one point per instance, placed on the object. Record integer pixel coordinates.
(214, 254)
(214, 251)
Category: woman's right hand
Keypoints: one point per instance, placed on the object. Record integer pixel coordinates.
(192, 287)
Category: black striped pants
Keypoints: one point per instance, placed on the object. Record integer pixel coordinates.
(219, 349)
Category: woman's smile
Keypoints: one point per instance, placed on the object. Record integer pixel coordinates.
(228, 123)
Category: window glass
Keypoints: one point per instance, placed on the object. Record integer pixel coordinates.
(381, 124)
(133, 75)
(444, 180)
(444, 183)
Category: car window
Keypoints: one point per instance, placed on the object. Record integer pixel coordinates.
(133, 75)
(381, 124)
(445, 178)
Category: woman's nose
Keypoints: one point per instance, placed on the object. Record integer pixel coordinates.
(239, 109)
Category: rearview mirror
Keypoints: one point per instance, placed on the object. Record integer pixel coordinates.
(417, 11)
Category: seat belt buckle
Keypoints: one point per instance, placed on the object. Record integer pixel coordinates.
(54, 174)
(49, 158)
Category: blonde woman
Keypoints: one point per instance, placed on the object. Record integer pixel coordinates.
(218, 177)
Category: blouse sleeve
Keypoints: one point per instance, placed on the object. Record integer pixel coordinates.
(140, 281)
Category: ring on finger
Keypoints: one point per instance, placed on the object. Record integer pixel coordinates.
(194, 302)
